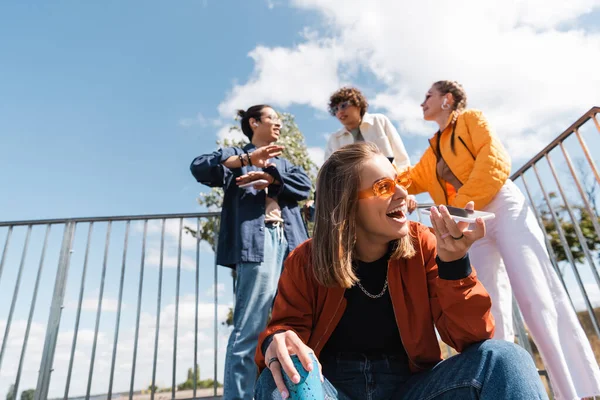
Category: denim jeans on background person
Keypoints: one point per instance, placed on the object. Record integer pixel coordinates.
(493, 369)
(256, 285)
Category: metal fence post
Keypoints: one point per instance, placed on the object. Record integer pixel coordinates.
(43, 383)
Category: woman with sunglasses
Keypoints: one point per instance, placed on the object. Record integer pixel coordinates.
(365, 295)
(467, 163)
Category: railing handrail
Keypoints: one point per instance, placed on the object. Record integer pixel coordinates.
(576, 125)
(110, 218)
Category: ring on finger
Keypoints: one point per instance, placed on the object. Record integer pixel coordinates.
(462, 235)
(271, 361)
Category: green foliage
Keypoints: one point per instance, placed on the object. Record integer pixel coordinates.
(583, 220)
(200, 384)
(25, 394)
(11, 392)
(28, 394)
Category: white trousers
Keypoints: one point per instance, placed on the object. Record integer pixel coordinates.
(513, 253)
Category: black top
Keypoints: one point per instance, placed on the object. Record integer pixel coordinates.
(368, 325)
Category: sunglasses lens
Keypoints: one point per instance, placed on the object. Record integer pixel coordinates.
(403, 181)
(384, 188)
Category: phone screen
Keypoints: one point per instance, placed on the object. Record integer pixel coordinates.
(460, 212)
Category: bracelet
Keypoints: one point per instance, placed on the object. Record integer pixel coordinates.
(249, 159)
(241, 160)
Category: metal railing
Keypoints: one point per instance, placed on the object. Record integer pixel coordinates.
(86, 316)
(561, 214)
(64, 358)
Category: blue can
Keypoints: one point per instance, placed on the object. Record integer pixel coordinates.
(310, 386)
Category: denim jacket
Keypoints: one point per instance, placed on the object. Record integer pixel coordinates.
(242, 227)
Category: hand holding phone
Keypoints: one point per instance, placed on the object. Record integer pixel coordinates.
(464, 215)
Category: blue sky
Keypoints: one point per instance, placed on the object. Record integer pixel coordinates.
(104, 105)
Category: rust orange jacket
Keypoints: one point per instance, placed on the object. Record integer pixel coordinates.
(479, 161)
(460, 309)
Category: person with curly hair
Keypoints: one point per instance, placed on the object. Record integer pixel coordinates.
(350, 106)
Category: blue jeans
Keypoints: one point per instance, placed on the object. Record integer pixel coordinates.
(492, 369)
(256, 285)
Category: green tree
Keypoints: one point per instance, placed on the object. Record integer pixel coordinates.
(200, 384)
(11, 392)
(27, 394)
(583, 220)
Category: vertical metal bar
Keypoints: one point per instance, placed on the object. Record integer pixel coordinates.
(139, 310)
(15, 295)
(31, 310)
(78, 317)
(567, 249)
(160, 274)
(6, 244)
(582, 239)
(553, 257)
(586, 151)
(596, 122)
(120, 302)
(588, 207)
(99, 309)
(592, 213)
(60, 284)
(174, 383)
(521, 332)
(216, 294)
(196, 306)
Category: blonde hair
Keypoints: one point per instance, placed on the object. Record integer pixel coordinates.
(334, 236)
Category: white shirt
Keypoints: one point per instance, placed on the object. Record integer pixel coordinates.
(378, 129)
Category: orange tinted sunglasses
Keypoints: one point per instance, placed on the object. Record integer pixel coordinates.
(386, 187)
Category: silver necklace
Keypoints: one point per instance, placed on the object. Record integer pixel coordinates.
(375, 296)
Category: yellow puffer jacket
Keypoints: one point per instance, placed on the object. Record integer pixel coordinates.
(479, 161)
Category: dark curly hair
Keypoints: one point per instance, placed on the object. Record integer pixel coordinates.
(353, 95)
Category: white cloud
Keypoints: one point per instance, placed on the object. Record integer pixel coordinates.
(220, 290)
(91, 304)
(305, 74)
(169, 259)
(527, 64)
(317, 155)
(199, 120)
(226, 132)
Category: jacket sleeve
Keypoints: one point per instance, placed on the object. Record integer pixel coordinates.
(294, 183)
(209, 170)
(418, 173)
(492, 164)
(401, 158)
(292, 309)
(330, 148)
(460, 305)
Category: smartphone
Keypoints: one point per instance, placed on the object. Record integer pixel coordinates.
(463, 215)
(256, 182)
